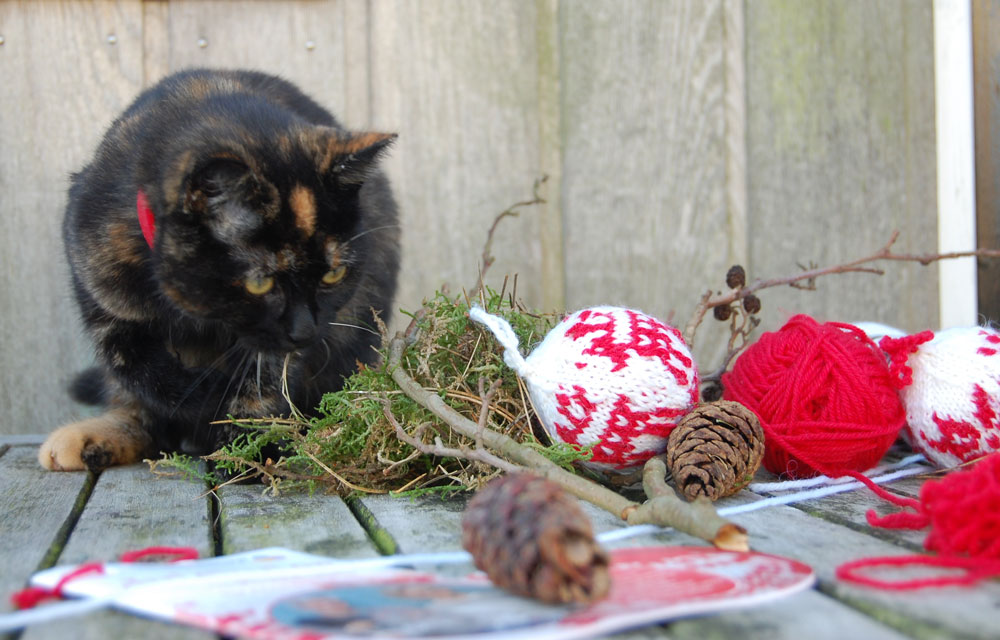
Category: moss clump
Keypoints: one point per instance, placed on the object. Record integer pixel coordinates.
(349, 446)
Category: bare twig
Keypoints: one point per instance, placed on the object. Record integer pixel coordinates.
(478, 454)
(708, 300)
(698, 518)
(688, 517)
(488, 258)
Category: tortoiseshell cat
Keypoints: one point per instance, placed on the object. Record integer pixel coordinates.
(227, 231)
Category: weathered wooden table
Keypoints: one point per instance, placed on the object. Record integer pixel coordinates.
(63, 518)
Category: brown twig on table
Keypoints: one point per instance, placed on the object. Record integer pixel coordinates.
(488, 258)
(698, 518)
(708, 300)
(687, 517)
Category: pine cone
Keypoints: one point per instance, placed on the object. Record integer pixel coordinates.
(715, 450)
(532, 539)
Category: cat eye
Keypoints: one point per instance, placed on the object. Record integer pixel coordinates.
(258, 286)
(334, 275)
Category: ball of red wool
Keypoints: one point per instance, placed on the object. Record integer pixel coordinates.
(824, 397)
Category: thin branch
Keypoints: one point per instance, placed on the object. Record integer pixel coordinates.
(709, 300)
(687, 517)
(487, 258)
(478, 454)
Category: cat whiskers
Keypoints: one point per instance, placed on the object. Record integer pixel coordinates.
(367, 231)
(204, 375)
(355, 326)
(244, 363)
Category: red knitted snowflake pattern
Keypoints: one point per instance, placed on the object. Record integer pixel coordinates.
(626, 421)
(647, 338)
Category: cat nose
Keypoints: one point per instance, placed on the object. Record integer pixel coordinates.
(301, 325)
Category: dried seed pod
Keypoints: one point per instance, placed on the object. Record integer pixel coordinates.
(751, 303)
(736, 277)
(711, 392)
(715, 450)
(533, 539)
(722, 312)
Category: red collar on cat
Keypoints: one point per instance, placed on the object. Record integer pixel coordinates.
(147, 222)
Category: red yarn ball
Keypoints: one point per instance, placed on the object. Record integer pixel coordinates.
(824, 397)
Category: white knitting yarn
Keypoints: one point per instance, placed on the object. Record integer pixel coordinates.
(953, 404)
(610, 377)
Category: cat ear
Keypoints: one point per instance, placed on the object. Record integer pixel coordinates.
(217, 178)
(351, 157)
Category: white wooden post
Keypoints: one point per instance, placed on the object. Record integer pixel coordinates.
(956, 173)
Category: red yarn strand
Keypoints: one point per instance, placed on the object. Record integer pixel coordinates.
(178, 553)
(32, 596)
(963, 512)
(975, 569)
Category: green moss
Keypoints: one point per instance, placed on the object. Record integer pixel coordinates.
(350, 446)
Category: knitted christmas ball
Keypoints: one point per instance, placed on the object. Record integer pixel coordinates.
(610, 377)
(950, 386)
(824, 396)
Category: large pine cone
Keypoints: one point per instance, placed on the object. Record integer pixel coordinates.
(533, 539)
(715, 450)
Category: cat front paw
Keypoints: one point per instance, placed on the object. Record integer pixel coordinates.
(113, 439)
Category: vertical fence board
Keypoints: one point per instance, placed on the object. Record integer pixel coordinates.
(458, 80)
(302, 41)
(986, 60)
(644, 176)
(841, 154)
(63, 82)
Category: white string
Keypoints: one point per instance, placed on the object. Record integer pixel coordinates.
(789, 485)
(506, 336)
(764, 503)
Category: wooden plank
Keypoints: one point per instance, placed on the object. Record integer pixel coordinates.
(22, 440)
(952, 612)
(322, 524)
(131, 509)
(841, 153)
(300, 41)
(986, 62)
(37, 506)
(645, 157)
(459, 82)
(64, 82)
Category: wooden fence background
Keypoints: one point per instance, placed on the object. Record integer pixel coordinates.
(679, 137)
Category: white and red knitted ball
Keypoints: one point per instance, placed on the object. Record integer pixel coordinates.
(950, 387)
(610, 377)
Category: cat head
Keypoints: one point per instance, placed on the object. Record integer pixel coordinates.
(268, 237)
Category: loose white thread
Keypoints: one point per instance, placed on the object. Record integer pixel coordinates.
(505, 335)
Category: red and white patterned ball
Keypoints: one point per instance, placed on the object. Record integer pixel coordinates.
(614, 378)
(953, 400)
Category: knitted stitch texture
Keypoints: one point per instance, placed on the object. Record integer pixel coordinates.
(610, 377)
(950, 387)
(824, 397)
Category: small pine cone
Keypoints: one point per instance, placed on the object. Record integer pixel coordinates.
(533, 539)
(736, 277)
(715, 450)
(752, 304)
